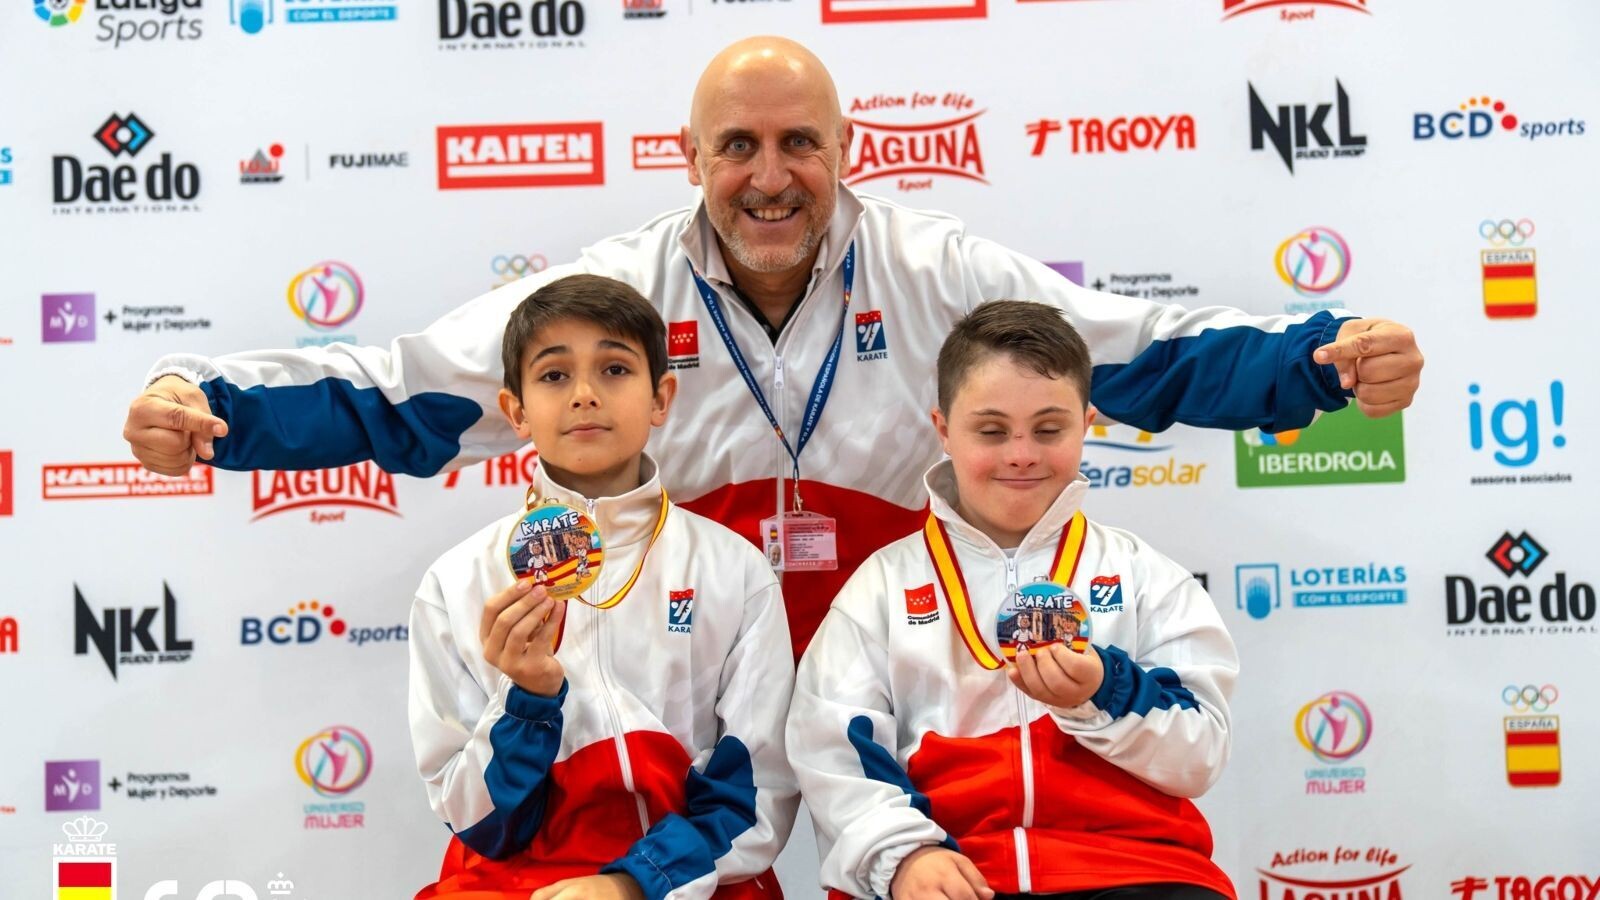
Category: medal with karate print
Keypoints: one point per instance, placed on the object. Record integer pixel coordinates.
(558, 546)
(1041, 614)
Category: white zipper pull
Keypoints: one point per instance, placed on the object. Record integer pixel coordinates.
(777, 372)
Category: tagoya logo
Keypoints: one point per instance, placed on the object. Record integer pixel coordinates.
(359, 486)
(1528, 887)
(520, 156)
(86, 481)
(887, 149)
(1119, 135)
(658, 151)
(513, 469)
(1302, 10)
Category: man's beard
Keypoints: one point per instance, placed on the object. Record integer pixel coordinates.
(725, 221)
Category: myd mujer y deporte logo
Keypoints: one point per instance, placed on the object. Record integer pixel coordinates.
(124, 134)
(1516, 554)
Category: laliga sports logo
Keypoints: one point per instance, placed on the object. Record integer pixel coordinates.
(57, 13)
(327, 295)
(335, 761)
(1313, 261)
(1334, 727)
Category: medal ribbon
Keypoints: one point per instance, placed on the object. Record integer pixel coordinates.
(954, 585)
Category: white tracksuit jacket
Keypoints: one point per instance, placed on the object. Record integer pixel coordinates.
(900, 738)
(663, 755)
(427, 402)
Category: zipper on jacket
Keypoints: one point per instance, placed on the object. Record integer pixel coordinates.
(619, 737)
(1025, 741)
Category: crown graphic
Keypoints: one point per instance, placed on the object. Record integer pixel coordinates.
(280, 885)
(84, 829)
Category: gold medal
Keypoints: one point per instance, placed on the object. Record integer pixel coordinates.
(559, 547)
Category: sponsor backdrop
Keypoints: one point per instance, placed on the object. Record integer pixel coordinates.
(202, 680)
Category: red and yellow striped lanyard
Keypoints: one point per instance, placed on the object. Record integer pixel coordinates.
(954, 585)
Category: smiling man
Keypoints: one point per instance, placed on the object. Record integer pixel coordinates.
(817, 314)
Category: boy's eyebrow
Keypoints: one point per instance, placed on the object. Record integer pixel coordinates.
(604, 344)
(1048, 410)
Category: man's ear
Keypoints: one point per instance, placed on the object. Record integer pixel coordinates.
(666, 392)
(690, 154)
(845, 143)
(511, 408)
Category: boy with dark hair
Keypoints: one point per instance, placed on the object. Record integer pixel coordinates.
(628, 745)
(932, 776)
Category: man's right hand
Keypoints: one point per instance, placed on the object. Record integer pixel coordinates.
(935, 873)
(170, 425)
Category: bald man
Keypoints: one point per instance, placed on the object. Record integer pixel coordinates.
(804, 320)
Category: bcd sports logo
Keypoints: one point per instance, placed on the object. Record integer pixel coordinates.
(1343, 447)
(1334, 728)
(1510, 608)
(889, 149)
(1302, 10)
(1533, 742)
(359, 486)
(520, 156)
(1510, 270)
(162, 186)
(1300, 131)
(1480, 117)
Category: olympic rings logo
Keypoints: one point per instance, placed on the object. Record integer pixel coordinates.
(333, 286)
(515, 266)
(1314, 261)
(1529, 698)
(1506, 232)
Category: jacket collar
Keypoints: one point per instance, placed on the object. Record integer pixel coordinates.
(699, 240)
(624, 519)
(943, 500)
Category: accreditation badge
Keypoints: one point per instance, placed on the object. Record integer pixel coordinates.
(557, 546)
(801, 542)
(1041, 614)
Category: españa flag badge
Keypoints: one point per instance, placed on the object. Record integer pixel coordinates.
(1533, 751)
(1510, 287)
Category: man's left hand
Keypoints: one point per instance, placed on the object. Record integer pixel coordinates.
(1057, 675)
(615, 886)
(1379, 359)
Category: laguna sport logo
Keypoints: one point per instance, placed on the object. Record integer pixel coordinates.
(940, 141)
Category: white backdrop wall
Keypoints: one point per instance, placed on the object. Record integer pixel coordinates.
(1403, 782)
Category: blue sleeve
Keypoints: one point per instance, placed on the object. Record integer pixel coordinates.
(525, 742)
(1128, 689)
(1236, 377)
(332, 422)
(721, 805)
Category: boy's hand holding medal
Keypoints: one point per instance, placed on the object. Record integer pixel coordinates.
(519, 629)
